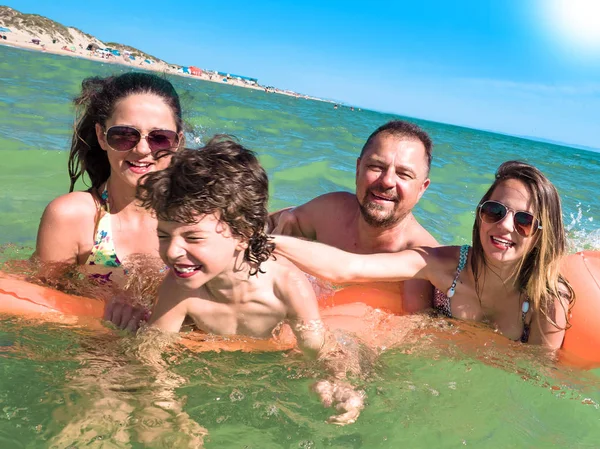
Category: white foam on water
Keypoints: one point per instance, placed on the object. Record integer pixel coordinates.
(579, 235)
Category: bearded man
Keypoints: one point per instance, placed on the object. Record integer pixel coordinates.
(392, 173)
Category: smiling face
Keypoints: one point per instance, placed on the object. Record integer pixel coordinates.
(198, 253)
(391, 177)
(145, 112)
(500, 241)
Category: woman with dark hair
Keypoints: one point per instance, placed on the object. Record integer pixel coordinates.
(127, 126)
(509, 278)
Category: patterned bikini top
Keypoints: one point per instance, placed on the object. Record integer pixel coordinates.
(441, 300)
(103, 257)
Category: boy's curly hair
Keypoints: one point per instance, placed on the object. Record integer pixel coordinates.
(221, 178)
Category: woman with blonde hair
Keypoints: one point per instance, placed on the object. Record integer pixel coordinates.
(509, 278)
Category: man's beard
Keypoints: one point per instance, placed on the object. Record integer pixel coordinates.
(369, 212)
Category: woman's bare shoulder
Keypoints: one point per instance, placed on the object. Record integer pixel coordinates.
(445, 255)
(73, 206)
(66, 228)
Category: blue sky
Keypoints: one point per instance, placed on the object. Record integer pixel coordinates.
(502, 65)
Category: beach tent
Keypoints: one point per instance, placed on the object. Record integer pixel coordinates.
(185, 70)
(195, 71)
(92, 47)
(4, 30)
(245, 78)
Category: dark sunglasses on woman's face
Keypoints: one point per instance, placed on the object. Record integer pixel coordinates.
(125, 138)
(494, 211)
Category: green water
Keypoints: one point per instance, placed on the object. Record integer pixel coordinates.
(433, 395)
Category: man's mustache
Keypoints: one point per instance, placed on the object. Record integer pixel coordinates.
(384, 195)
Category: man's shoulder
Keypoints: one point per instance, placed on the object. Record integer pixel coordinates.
(419, 236)
(336, 197)
(327, 203)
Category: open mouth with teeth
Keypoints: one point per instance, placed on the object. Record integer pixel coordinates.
(501, 243)
(186, 271)
(138, 167)
(380, 197)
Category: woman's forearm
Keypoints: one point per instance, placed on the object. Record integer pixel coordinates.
(339, 266)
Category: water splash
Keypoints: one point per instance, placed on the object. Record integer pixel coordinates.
(579, 235)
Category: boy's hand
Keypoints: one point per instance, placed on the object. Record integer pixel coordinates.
(343, 397)
(125, 316)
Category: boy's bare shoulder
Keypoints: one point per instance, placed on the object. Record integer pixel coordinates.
(284, 273)
(294, 290)
(280, 265)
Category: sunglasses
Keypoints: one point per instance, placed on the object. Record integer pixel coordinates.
(125, 138)
(525, 223)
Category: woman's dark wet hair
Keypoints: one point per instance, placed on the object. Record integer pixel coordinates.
(221, 178)
(96, 104)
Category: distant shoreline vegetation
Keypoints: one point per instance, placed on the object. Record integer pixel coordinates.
(38, 33)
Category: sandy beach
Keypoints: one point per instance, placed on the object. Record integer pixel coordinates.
(38, 40)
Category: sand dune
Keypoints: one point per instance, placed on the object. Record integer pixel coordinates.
(42, 34)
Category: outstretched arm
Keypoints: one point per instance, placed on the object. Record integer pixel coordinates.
(314, 339)
(340, 266)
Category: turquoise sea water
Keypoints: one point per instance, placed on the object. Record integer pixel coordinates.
(434, 394)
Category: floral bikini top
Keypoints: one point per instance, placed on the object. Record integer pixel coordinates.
(103, 260)
(441, 300)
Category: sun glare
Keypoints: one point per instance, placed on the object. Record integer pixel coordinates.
(574, 25)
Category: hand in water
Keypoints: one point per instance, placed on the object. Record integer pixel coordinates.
(343, 397)
(124, 315)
